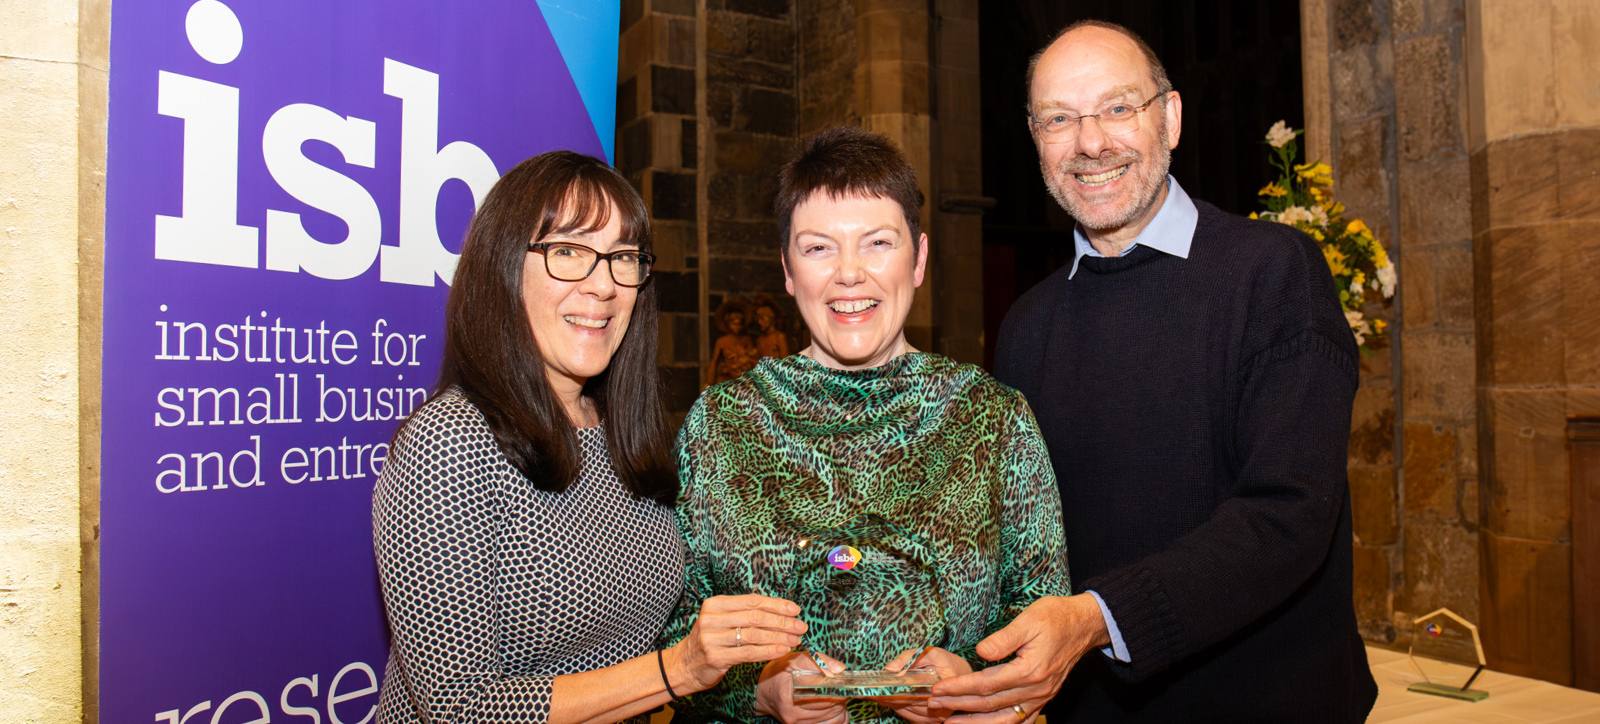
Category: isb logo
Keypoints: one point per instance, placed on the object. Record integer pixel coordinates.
(208, 232)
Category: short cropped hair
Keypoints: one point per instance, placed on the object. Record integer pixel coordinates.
(1158, 72)
(848, 161)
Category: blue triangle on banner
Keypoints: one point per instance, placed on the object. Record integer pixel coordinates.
(587, 31)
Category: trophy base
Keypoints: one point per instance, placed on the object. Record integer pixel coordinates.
(1450, 692)
(866, 684)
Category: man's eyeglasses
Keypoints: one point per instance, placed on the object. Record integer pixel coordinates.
(570, 262)
(1115, 120)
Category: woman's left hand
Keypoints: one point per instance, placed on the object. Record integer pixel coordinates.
(915, 709)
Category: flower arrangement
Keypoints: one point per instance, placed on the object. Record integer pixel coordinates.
(1302, 197)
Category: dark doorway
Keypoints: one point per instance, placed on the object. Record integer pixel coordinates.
(1236, 64)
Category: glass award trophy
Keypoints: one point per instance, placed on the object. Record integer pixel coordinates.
(1446, 651)
(869, 590)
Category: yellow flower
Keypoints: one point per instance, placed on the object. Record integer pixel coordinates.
(1334, 208)
(1318, 173)
(1378, 325)
(1359, 279)
(1272, 190)
(1315, 234)
(1253, 215)
(1316, 193)
(1335, 260)
(1357, 228)
(1380, 258)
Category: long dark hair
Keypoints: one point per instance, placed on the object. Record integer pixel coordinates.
(489, 349)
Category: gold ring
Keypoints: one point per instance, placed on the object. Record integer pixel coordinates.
(738, 637)
(1021, 715)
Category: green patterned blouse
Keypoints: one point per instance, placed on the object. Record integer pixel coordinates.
(936, 447)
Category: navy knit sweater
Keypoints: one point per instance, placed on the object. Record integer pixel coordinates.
(1197, 413)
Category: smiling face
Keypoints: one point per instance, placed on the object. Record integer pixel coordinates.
(853, 269)
(577, 325)
(1110, 184)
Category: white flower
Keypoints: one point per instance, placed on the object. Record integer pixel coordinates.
(1319, 216)
(1386, 280)
(1293, 215)
(1358, 327)
(1279, 134)
(1355, 289)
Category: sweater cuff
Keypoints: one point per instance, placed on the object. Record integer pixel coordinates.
(1149, 627)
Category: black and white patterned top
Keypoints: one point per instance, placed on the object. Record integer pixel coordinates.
(493, 588)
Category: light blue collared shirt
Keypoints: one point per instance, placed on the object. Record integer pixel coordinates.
(1170, 232)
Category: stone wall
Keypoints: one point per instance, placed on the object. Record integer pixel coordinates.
(1467, 134)
(53, 62)
(1535, 182)
(714, 97)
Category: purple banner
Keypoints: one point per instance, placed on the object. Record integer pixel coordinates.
(288, 183)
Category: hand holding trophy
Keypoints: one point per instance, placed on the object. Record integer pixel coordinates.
(873, 592)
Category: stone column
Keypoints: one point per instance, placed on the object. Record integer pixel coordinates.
(54, 58)
(1360, 116)
(892, 97)
(1534, 135)
(657, 149)
(1439, 510)
(957, 184)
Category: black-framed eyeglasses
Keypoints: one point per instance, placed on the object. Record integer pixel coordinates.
(571, 262)
(1115, 120)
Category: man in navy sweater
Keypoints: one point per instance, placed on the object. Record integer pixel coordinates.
(1193, 374)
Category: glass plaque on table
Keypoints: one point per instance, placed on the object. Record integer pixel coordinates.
(1446, 651)
(869, 589)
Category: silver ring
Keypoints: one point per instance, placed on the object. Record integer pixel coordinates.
(1021, 715)
(738, 637)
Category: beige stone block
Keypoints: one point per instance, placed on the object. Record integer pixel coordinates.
(892, 87)
(38, 254)
(1419, 293)
(1435, 202)
(1314, 64)
(1526, 604)
(1511, 68)
(1515, 182)
(1529, 495)
(1373, 501)
(634, 48)
(1372, 587)
(1362, 181)
(1431, 474)
(892, 34)
(94, 33)
(1426, 98)
(1372, 426)
(1524, 289)
(1441, 567)
(1406, 17)
(40, 638)
(1574, 25)
(1439, 373)
(40, 30)
(1578, 174)
(1580, 302)
(1454, 282)
(1361, 81)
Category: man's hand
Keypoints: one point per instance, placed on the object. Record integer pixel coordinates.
(916, 710)
(1048, 637)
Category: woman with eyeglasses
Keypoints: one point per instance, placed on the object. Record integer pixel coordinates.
(523, 523)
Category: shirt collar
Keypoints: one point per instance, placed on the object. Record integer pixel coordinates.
(1171, 231)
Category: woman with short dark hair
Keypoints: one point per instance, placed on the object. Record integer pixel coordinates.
(523, 522)
(950, 462)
